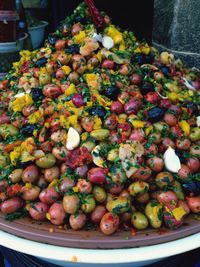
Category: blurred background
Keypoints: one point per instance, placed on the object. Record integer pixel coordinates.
(39, 17)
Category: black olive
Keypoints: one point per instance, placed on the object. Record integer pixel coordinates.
(138, 58)
(98, 110)
(155, 114)
(52, 39)
(165, 70)
(146, 87)
(41, 62)
(191, 187)
(65, 29)
(37, 94)
(149, 58)
(193, 108)
(112, 92)
(181, 155)
(73, 49)
(24, 164)
(27, 130)
(78, 18)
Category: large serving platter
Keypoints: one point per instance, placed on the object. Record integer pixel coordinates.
(94, 239)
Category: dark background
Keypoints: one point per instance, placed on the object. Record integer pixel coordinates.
(134, 15)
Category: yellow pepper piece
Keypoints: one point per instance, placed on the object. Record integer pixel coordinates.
(71, 90)
(114, 34)
(35, 117)
(148, 130)
(15, 155)
(48, 216)
(75, 189)
(185, 127)
(66, 69)
(178, 213)
(28, 185)
(92, 80)
(20, 102)
(53, 183)
(173, 96)
(79, 38)
(138, 124)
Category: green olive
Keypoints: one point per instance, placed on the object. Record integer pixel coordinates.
(139, 220)
(71, 203)
(4, 159)
(138, 187)
(46, 162)
(100, 134)
(113, 154)
(118, 205)
(177, 188)
(195, 134)
(153, 211)
(88, 205)
(16, 175)
(118, 174)
(164, 179)
(99, 194)
(89, 145)
(7, 130)
(161, 126)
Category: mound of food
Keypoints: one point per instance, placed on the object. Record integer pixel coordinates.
(98, 128)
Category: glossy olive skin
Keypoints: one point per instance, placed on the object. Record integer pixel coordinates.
(99, 194)
(153, 212)
(30, 194)
(164, 179)
(49, 195)
(98, 213)
(46, 162)
(77, 221)
(139, 221)
(30, 174)
(71, 203)
(11, 205)
(109, 223)
(38, 211)
(16, 175)
(57, 214)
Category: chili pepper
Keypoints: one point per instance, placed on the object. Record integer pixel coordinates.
(96, 17)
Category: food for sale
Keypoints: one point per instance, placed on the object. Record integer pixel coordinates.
(98, 129)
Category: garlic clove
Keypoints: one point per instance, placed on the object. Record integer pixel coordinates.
(73, 139)
(198, 121)
(107, 42)
(97, 159)
(171, 160)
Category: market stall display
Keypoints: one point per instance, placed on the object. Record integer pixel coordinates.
(100, 131)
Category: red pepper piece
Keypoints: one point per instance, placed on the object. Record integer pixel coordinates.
(13, 190)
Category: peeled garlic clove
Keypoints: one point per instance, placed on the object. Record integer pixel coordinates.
(171, 160)
(97, 159)
(198, 121)
(188, 84)
(107, 42)
(73, 139)
(19, 95)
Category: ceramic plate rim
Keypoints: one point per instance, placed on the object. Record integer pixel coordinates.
(127, 255)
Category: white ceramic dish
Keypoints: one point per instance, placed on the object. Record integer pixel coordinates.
(131, 257)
